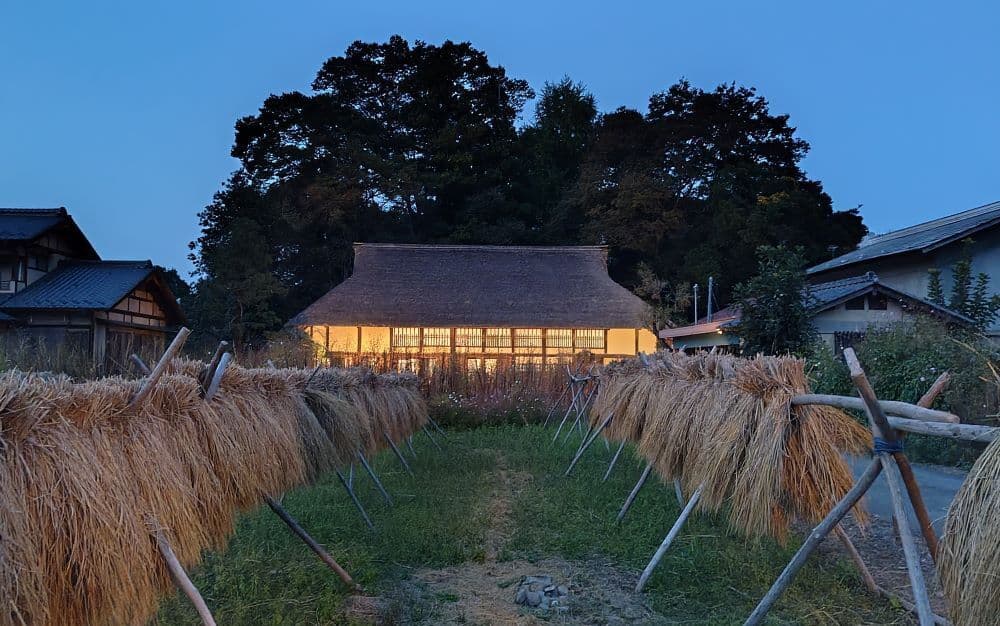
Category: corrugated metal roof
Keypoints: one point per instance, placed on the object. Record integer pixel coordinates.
(919, 238)
(93, 285)
(453, 285)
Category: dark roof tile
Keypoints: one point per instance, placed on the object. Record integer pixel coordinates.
(919, 238)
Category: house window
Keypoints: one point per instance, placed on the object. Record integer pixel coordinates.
(528, 339)
(498, 340)
(589, 339)
(38, 262)
(878, 302)
(405, 337)
(408, 365)
(855, 304)
(559, 339)
(437, 337)
(469, 339)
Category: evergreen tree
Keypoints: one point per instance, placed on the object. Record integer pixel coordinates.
(935, 293)
(961, 277)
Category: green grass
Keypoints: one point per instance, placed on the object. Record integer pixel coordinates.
(442, 516)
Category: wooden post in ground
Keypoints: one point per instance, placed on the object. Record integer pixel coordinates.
(569, 409)
(374, 477)
(885, 437)
(831, 520)
(669, 539)
(554, 405)
(399, 455)
(587, 443)
(614, 460)
(139, 363)
(354, 499)
(635, 491)
(427, 432)
(179, 576)
(161, 366)
(859, 562)
(313, 544)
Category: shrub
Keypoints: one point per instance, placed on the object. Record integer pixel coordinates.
(903, 360)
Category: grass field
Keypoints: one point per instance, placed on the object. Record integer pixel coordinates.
(498, 495)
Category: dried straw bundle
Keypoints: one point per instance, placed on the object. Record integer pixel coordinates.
(345, 424)
(969, 553)
(84, 478)
(727, 423)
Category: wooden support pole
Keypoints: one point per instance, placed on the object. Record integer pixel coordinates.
(427, 432)
(209, 372)
(881, 429)
(962, 432)
(678, 492)
(614, 460)
(180, 577)
(409, 445)
(217, 375)
(161, 366)
(354, 499)
(431, 421)
(588, 442)
(859, 562)
(831, 520)
(139, 363)
(902, 409)
(313, 544)
(374, 477)
(569, 409)
(635, 491)
(399, 455)
(581, 412)
(669, 539)
(555, 405)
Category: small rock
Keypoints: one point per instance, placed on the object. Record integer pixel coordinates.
(563, 591)
(521, 595)
(550, 588)
(539, 580)
(544, 604)
(533, 598)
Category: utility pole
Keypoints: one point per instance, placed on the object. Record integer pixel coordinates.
(710, 282)
(696, 303)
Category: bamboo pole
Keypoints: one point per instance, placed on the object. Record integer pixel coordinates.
(635, 491)
(427, 432)
(866, 574)
(963, 432)
(409, 445)
(440, 430)
(554, 405)
(678, 492)
(161, 367)
(569, 409)
(831, 520)
(180, 577)
(614, 460)
(881, 429)
(209, 372)
(902, 409)
(669, 539)
(313, 544)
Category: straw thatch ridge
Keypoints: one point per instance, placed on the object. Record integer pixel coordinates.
(727, 423)
(970, 547)
(84, 478)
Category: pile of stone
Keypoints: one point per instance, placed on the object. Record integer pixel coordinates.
(542, 593)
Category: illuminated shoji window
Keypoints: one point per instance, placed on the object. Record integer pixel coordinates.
(405, 337)
(469, 339)
(498, 340)
(589, 339)
(437, 337)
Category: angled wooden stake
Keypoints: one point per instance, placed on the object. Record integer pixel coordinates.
(588, 442)
(179, 576)
(554, 406)
(669, 539)
(139, 363)
(217, 375)
(354, 499)
(374, 477)
(399, 455)
(635, 491)
(161, 366)
(427, 431)
(882, 430)
(313, 544)
(614, 460)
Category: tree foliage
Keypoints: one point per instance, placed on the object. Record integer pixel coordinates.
(775, 305)
(970, 295)
(420, 143)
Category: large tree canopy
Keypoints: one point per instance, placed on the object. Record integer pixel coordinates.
(420, 142)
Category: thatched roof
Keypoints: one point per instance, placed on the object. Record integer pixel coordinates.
(448, 285)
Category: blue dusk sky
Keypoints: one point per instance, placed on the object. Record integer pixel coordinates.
(123, 112)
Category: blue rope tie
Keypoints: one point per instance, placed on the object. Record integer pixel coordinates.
(889, 447)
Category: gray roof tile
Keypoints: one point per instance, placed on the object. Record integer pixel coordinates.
(91, 285)
(920, 238)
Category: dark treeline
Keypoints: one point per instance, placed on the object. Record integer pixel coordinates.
(420, 143)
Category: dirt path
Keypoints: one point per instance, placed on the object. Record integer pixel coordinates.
(483, 592)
